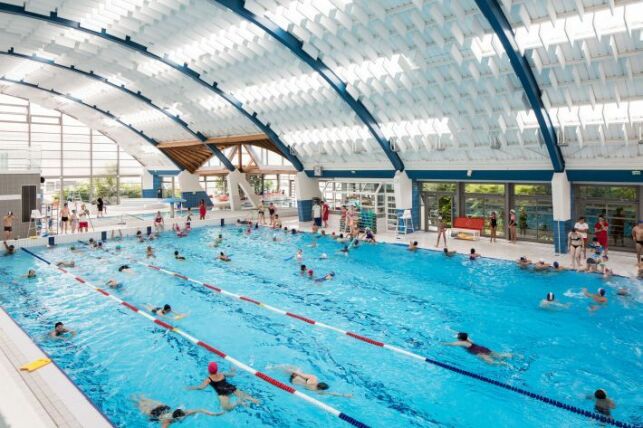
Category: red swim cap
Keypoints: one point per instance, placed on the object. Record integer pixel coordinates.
(310, 272)
(213, 368)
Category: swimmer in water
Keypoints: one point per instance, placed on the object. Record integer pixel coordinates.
(159, 412)
(112, 283)
(413, 246)
(218, 240)
(66, 263)
(557, 267)
(300, 255)
(223, 388)
(310, 274)
(126, 269)
(323, 256)
(550, 302)
(523, 262)
(329, 276)
(598, 298)
(473, 255)
(9, 249)
(309, 381)
(60, 331)
(541, 265)
(302, 269)
(223, 257)
(482, 352)
(150, 252)
(448, 253)
(602, 404)
(31, 273)
(274, 238)
(177, 256)
(166, 311)
(369, 236)
(344, 250)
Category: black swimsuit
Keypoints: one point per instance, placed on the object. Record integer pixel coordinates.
(159, 411)
(494, 222)
(222, 387)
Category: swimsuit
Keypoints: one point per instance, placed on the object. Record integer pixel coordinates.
(477, 349)
(7, 228)
(64, 218)
(222, 387)
(575, 242)
(494, 222)
(158, 411)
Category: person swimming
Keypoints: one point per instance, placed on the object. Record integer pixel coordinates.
(66, 263)
(523, 262)
(223, 257)
(344, 250)
(60, 331)
(598, 298)
(541, 265)
(223, 388)
(309, 381)
(323, 256)
(549, 302)
(413, 246)
(31, 273)
(448, 253)
(329, 276)
(479, 351)
(125, 269)
(300, 254)
(159, 412)
(473, 255)
(112, 283)
(149, 252)
(302, 269)
(177, 256)
(603, 404)
(165, 311)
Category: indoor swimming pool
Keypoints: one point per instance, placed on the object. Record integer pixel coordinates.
(413, 301)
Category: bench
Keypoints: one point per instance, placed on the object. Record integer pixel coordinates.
(467, 228)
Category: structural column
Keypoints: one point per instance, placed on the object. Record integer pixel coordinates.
(306, 189)
(407, 197)
(151, 185)
(237, 180)
(192, 191)
(561, 195)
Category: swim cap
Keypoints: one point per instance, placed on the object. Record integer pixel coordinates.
(213, 368)
(463, 336)
(322, 386)
(600, 394)
(601, 291)
(550, 297)
(178, 413)
(310, 272)
(556, 265)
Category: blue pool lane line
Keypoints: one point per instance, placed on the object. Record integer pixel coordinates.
(210, 348)
(396, 349)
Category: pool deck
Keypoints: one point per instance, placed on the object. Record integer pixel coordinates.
(622, 263)
(43, 398)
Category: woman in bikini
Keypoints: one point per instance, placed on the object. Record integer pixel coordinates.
(223, 388)
(575, 247)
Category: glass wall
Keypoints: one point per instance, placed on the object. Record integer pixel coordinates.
(620, 206)
(77, 162)
(534, 211)
(439, 200)
(481, 199)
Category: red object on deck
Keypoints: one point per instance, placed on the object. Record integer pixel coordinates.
(474, 223)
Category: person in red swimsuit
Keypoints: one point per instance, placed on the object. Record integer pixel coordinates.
(325, 213)
(202, 210)
(600, 232)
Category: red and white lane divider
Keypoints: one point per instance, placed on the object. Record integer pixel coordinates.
(284, 312)
(210, 348)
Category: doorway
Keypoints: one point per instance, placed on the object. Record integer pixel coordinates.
(437, 205)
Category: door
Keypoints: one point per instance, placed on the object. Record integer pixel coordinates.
(436, 205)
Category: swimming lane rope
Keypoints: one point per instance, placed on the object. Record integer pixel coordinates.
(482, 378)
(210, 348)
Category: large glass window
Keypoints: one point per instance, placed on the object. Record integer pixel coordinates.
(619, 205)
(481, 199)
(76, 161)
(534, 211)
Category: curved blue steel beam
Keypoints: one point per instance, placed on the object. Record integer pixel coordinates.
(296, 47)
(500, 24)
(127, 42)
(90, 74)
(149, 139)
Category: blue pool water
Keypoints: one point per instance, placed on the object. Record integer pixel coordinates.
(411, 300)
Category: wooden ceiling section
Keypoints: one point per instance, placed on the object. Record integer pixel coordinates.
(191, 154)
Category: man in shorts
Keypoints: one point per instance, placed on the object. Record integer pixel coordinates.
(7, 223)
(582, 227)
(637, 236)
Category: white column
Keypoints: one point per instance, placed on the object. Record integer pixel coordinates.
(403, 188)
(561, 199)
(306, 189)
(237, 179)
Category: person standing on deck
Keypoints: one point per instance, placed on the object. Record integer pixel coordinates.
(202, 209)
(600, 232)
(7, 223)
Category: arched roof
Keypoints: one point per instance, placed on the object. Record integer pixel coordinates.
(439, 84)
